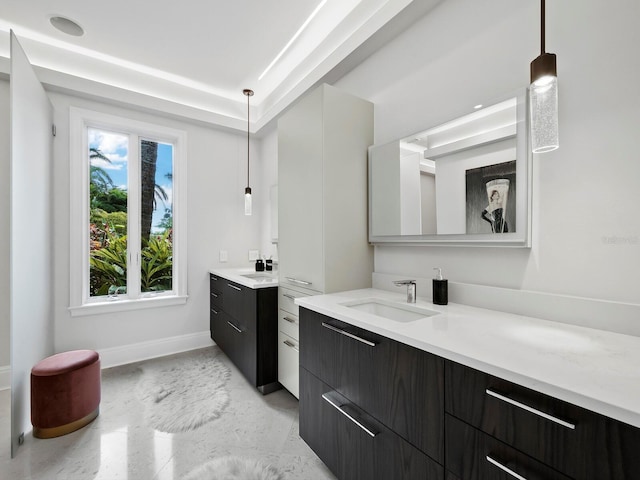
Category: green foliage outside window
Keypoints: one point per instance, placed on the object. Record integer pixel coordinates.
(108, 239)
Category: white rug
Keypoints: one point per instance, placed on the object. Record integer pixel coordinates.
(234, 468)
(184, 394)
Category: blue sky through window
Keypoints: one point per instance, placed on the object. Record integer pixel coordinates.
(114, 146)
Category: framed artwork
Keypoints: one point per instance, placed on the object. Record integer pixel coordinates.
(491, 198)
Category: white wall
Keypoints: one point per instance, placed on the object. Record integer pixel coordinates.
(31, 251)
(216, 221)
(4, 224)
(268, 154)
(586, 225)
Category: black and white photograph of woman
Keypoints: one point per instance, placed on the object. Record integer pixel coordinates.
(491, 198)
(494, 213)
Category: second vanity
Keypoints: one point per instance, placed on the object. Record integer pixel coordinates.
(243, 322)
(392, 390)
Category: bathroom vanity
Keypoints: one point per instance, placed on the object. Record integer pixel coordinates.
(244, 324)
(391, 390)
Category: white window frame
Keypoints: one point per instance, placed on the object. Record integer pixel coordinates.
(80, 303)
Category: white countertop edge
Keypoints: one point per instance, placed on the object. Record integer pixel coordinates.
(236, 275)
(557, 383)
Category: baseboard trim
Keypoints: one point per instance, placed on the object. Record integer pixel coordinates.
(5, 377)
(136, 352)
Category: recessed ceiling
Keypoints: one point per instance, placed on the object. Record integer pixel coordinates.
(196, 55)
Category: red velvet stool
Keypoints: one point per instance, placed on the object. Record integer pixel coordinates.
(65, 393)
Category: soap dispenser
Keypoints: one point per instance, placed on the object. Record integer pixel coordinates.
(440, 289)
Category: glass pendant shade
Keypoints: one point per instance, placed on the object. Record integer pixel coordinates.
(247, 201)
(543, 96)
(544, 114)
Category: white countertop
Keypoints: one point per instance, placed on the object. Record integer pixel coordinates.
(594, 369)
(254, 280)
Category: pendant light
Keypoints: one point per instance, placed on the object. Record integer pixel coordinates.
(543, 94)
(247, 191)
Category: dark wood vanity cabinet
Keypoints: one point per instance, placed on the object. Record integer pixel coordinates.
(574, 441)
(244, 324)
(370, 402)
(371, 407)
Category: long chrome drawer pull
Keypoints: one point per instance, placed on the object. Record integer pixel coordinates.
(347, 334)
(339, 408)
(531, 409)
(214, 311)
(506, 469)
(214, 278)
(215, 295)
(290, 320)
(233, 286)
(234, 327)
(292, 345)
(295, 280)
(288, 296)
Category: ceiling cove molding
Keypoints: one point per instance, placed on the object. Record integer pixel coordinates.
(116, 84)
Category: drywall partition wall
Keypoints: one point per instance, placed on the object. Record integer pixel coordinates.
(216, 178)
(427, 202)
(586, 226)
(5, 183)
(267, 176)
(410, 205)
(30, 258)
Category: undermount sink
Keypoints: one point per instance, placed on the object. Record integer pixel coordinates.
(390, 310)
(258, 275)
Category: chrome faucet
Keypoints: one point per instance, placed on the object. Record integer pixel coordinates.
(411, 289)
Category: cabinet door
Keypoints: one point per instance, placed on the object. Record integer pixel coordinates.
(473, 455)
(266, 329)
(353, 444)
(288, 366)
(222, 333)
(300, 178)
(575, 441)
(399, 385)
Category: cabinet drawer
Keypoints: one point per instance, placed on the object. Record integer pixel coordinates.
(473, 455)
(288, 363)
(353, 444)
(215, 283)
(289, 324)
(399, 385)
(215, 300)
(572, 440)
(286, 300)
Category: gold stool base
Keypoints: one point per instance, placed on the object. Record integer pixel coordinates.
(67, 428)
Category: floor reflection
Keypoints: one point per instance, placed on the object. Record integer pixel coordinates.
(120, 445)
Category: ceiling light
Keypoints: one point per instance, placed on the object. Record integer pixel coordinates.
(543, 94)
(66, 25)
(293, 39)
(247, 191)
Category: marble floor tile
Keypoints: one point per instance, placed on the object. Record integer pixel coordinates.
(119, 444)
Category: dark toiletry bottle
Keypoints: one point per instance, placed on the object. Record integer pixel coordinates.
(440, 289)
(259, 265)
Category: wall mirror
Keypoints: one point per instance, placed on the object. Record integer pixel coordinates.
(465, 182)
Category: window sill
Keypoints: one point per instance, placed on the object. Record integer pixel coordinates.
(99, 308)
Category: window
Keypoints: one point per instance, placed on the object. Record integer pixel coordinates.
(128, 247)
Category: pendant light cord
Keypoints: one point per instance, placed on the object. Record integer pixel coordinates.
(542, 27)
(247, 140)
